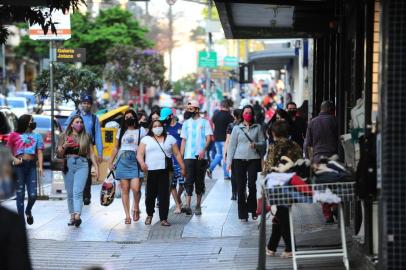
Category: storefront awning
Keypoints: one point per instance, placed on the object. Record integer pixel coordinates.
(271, 59)
(244, 19)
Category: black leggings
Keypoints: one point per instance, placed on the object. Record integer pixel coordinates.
(280, 229)
(158, 185)
(246, 170)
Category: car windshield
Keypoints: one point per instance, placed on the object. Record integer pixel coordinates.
(43, 122)
(30, 97)
(14, 103)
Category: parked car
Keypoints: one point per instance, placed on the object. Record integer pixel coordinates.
(19, 105)
(44, 128)
(32, 99)
(8, 124)
(60, 115)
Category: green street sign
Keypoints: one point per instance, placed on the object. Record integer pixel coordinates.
(230, 61)
(207, 59)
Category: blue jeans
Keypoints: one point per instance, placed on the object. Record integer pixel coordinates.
(75, 181)
(218, 158)
(27, 176)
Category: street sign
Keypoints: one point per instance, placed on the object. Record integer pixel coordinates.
(71, 55)
(230, 61)
(62, 25)
(208, 59)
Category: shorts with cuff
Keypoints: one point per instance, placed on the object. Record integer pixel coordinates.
(195, 174)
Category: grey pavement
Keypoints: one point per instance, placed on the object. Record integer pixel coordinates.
(215, 240)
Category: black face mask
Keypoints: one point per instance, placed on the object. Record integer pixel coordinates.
(130, 122)
(188, 115)
(32, 125)
(292, 113)
(144, 124)
(167, 122)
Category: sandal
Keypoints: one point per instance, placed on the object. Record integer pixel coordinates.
(270, 253)
(286, 255)
(148, 220)
(136, 215)
(165, 223)
(71, 221)
(177, 211)
(127, 220)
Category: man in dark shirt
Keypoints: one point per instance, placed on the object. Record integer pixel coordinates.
(221, 120)
(299, 125)
(322, 134)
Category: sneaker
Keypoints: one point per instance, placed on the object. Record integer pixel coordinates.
(30, 219)
(187, 211)
(209, 173)
(198, 211)
(86, 201)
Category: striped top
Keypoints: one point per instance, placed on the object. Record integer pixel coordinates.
(195, 131)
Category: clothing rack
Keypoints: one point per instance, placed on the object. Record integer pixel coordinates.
(289, 195)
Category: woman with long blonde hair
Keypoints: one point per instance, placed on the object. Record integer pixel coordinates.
(76, 147)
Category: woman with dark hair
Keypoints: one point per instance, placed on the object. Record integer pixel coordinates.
(155, 157)
(230, 127)
(280, 114)
(127, 170)
(27, 147)
(75, 145)
(247, 143)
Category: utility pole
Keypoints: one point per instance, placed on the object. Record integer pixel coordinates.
(170, 17)
(51, 91)
(208, 76)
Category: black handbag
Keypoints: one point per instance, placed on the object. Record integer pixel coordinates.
(168, 160)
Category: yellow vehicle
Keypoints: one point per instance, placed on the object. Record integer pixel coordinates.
(109, 134)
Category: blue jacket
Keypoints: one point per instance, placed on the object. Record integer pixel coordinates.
(88, 122)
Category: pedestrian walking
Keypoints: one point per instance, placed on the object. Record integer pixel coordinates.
(127, 170)
(27, 148)
(230, 127)
(298, 124)
(174, 128)
(247, 143)
(322, 142)
(92, 128)
(221, 119)
(155, 157)
(14, 254)
(75, 145)
(282, 146)
(196, 135)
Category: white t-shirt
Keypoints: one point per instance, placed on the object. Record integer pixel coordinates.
(154, 157)
(129, 142)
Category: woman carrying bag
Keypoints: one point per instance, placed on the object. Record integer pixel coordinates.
(126, 168)
(155, 157)
(76, 147)
(244, 151)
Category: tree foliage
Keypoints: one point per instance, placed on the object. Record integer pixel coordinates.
(130, 66)
(70, 83)
(187, 83)
(112, 26)
(33, 15)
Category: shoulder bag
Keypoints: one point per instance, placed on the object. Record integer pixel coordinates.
(251, 141)
(168, 160)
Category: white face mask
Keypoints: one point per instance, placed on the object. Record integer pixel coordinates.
(158, 131)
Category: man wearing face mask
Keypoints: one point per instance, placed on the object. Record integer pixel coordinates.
(93, 129)
(14, 245)
(196, 134)
(298, 125)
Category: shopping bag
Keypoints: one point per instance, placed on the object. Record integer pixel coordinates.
(108, 189)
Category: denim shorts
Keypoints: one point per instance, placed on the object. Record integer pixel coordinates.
(127, 166)
(177, 176)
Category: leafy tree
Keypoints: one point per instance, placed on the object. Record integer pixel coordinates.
(70, 83)
(34, 49)
(198, 34)
(112, 26)
(130, 66)
(21, 11)
(187, 83)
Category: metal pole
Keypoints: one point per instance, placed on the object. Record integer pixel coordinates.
(208, 76)
(262, 234)
(3, 64)
(170, 16)
(51, 92)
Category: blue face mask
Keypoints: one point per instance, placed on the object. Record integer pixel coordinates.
(7, 188)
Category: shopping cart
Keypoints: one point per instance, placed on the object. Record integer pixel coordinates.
(289, 195)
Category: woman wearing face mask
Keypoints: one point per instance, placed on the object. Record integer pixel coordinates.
(27, 147)
(152, 154)
(76, 147)
(244, 150)
(126, 169)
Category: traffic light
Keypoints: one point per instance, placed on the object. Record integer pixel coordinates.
(246, 73)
